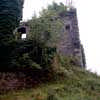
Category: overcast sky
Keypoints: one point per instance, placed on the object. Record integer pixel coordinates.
(88, 12)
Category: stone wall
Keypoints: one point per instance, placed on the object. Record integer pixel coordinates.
(69, 44)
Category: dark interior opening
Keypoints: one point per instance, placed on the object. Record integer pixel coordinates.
(67, 27)
(22, 30)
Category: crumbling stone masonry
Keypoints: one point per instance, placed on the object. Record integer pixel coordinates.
(69, 44)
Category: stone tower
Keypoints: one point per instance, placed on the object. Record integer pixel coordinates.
(69, 44)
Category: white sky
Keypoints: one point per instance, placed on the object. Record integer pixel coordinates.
(89, 25)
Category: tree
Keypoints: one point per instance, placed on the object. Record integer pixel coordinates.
(47, 26)
(10, 15)
(58, 8)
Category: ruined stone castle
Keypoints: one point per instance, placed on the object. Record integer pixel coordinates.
(69, 44)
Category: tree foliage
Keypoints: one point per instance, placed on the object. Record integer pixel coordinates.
(10, 15)
(47, 26)
(58, 8)
(31, 54)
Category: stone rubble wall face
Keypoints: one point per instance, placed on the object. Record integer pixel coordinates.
(69, 44)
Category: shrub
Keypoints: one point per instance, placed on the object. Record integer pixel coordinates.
(31, 54)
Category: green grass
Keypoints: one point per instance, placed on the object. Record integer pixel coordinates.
(77, 84)
(72, 83)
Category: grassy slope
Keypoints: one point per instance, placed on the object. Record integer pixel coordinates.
(75, 84)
